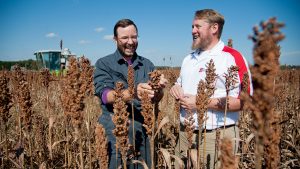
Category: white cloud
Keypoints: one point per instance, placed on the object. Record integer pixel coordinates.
(99, 29)
(108, 37)
(84, 42)
(51, 35)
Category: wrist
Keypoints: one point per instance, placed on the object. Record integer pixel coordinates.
(104, 96)
(127, 96)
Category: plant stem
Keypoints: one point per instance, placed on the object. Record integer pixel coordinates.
(20, 132)
(30, 149)
(89, 137)
(204, 142)
(77, 130)
(133, 132)
(198, 152)
(225, 113)
(152, 151)
(50, 127)
(6, 145)
(67, 158)
(153, 138)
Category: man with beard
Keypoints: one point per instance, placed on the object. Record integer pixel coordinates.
(207, 28)
(114, 68)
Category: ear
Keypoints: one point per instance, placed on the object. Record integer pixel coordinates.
(115, 39)
(214, 28)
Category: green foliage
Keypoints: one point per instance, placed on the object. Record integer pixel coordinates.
(27, 64)
(287, 67)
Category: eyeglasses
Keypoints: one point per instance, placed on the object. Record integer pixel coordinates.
(126, 38)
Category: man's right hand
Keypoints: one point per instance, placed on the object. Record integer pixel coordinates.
(111, 96)
(177, 92)
(144, 87)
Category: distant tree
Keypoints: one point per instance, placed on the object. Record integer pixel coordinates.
(29, 64)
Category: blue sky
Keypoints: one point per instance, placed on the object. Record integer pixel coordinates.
(86, 26)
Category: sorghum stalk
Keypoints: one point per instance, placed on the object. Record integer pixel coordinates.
(45, 79)
(201, 100)
(243, 120)
(217, 145)
(227, 157)
(154, 82)
(147, 109)
(5, 105)
(130, 80)
(266, 58)
(230, 81)
(101, 147)
(230, 43)
(120, 119)
(148, 114)
(176, 111)
(73, 96)
(205, 91)
(87, 87)
(23, 97)
(189, 129)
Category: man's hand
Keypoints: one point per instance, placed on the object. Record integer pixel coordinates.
(144, 87)
(126, 95)
(177, 92)
(188, 102)
(111, 96)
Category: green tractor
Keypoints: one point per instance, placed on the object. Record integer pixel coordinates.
(54, 60)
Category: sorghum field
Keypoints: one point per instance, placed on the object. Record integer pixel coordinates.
(50, 121)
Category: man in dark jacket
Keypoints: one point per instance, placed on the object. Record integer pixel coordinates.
(114, 68)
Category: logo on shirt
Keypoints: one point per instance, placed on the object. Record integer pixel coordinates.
(201, 70)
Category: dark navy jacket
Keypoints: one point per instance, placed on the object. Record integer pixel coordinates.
(113, 68)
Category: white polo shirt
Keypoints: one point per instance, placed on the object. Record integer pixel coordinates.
(193, 70)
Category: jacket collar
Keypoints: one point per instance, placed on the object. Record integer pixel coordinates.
(135, 59)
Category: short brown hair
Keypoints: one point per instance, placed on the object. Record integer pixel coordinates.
(211, 16)
(123, 23)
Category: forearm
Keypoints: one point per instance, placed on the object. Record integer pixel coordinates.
(218, 104)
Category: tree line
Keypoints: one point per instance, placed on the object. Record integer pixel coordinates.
(29, 64)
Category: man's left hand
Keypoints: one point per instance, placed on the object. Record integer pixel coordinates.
(188, 102)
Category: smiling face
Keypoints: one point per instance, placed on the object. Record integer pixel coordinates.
(126, 40)
(202, 34)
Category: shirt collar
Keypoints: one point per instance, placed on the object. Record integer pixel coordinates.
(195, 53)
(120, 59)
(216, 49)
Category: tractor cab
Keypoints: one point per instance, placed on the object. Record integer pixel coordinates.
(54, 60)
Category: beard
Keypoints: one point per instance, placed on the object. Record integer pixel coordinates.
(127, 51)
(201, 43)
